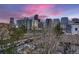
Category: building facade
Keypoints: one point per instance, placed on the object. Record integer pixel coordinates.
(65, 24)
(70, 27)
(75, 29)
(12, 23)
(26, 22)
(75, 26)
(29, 22)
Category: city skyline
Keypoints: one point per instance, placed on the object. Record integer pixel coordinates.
(52, 10)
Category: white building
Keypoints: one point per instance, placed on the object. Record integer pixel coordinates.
(70, 27)
(75, 26)
(35, 24)
(75, 29)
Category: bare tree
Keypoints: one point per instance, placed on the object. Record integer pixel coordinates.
(57, 33)
(4, 36)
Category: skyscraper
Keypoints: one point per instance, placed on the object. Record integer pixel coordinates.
(64, 20)
(12, 23)
(35, 22)
(48, 22)
(65, 24)
(56, 21)
(39, 23)
(30, 24)
(21, 22)
(75, 20)
(36, 17)
(26, 21)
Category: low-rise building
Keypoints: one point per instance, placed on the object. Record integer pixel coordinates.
(75, 26)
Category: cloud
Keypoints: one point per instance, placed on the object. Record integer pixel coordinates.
(42, 9)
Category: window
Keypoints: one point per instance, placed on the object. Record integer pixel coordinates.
(76, 29)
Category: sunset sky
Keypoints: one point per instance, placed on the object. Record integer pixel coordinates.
(52, 10)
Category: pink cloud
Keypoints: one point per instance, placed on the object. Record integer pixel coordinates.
(38, 9)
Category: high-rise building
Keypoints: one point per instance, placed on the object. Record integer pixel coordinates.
(36, 17)
(64, 20)
(27, 22)
(21, 22)
(75, 26)
(75, 20)
(65, 24)
(12, 23)
(48, 22)
(39, 23)
(30, 24)
(56, 21)
(35, 22)
(68, 28)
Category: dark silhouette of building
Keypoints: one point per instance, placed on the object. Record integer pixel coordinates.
(21, 22)
(68, 28)
(25, 22)
(56, 21)
(64, 20)
(36, 17)
(65, 24)
(30, 24)
(75, 20)
(48, 22)
(12, 23)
